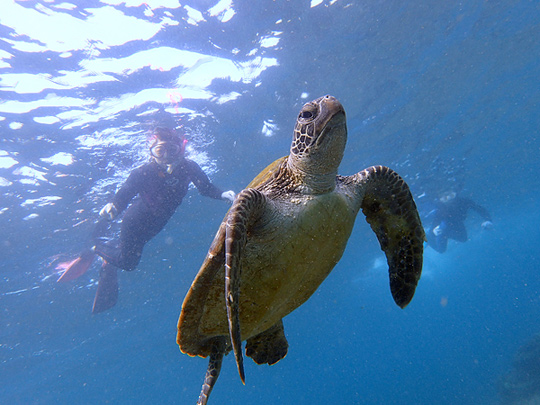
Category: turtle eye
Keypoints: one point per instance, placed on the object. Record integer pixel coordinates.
(306, 115)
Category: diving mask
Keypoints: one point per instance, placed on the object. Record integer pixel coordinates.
(165, 150)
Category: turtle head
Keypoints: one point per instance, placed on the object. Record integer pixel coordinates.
(319, 138)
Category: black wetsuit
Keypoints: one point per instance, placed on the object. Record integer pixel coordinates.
(159, 194)
(450, 218)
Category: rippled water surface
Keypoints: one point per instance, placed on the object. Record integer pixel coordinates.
(443, 92)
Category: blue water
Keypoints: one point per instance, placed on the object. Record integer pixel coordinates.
(443, 92)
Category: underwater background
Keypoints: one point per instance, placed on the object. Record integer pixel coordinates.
(445, 93)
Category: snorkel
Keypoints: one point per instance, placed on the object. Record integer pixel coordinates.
(167, 148)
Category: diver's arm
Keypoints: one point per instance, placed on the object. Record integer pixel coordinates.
(127, 191)
(484, 213)
(202, 182)
(436, 216)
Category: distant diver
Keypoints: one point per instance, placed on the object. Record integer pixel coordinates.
(160, 186)
(448, 220)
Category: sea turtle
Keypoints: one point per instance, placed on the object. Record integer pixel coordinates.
(284, 234)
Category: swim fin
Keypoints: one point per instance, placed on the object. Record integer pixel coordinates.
(107, 291)
(77, 267)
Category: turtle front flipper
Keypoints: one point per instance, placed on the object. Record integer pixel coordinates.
(246, 209)
(214, 367)
(268, 347)
(390, 210)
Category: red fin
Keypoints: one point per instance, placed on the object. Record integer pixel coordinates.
(77, 267)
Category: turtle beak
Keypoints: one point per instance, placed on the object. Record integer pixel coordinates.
(336, 121)
(330, 105)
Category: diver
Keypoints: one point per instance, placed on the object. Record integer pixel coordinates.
(160, 187)
(448, 220)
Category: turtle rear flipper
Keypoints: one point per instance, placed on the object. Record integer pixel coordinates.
(214, 367)
(268, 347)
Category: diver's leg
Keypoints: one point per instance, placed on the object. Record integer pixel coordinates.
(126, 256)
(458, 232)
(437, 242)
(76, 268)
(138, 228)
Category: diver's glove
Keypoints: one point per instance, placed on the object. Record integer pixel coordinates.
(109, 211)
(487, 225)
(228, 195)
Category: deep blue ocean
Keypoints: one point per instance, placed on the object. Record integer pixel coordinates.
(446, 93)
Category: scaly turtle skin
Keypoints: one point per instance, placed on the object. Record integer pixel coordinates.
(282, 237)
